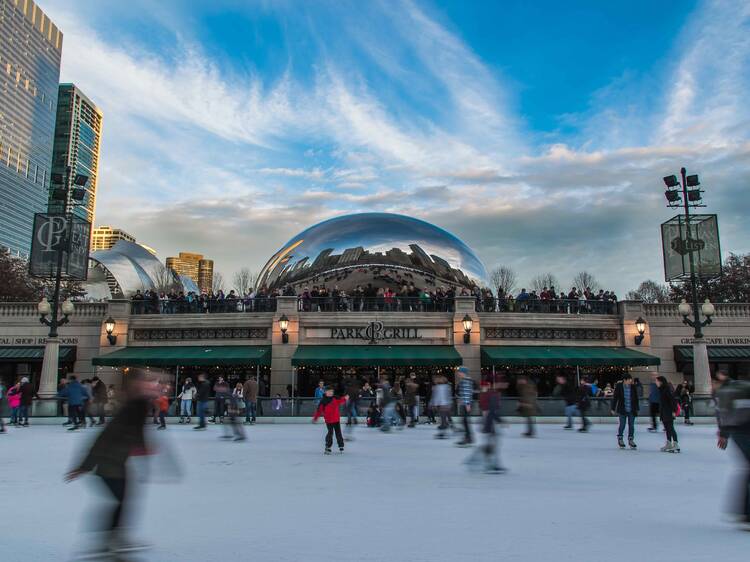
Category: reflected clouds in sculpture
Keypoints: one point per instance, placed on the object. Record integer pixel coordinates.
(384, 249)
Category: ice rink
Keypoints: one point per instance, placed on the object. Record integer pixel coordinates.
(401, 496)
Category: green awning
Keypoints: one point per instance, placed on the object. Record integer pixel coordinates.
(163, 356)
(564, 356)
(716, 353)
(32, 354)
(375, 355)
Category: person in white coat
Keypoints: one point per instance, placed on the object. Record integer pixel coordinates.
(186, 396)
(441, 402)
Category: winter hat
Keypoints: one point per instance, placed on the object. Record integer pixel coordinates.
(463, 370)
(24, 379)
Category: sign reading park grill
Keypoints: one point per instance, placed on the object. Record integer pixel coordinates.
(374, 332)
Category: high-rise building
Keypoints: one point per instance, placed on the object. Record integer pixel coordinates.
(78, 129)
(30, 48)
(205, 275)
(104, 237)
(195, 266)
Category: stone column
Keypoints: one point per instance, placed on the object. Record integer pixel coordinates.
(701, 369)
(470, 352)
(282, 372)
(48, 381)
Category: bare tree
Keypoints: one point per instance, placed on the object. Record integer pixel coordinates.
(543, 280)
(165, 280)
(503, 279)
(585, 279)
(218, 282)
(649, 292)
(244, 280)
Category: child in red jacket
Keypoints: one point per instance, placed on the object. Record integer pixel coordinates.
(329, 409)
(162, 406)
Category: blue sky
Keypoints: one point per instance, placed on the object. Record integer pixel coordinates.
(536, 131)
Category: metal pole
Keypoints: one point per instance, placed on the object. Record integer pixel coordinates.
(693, 282)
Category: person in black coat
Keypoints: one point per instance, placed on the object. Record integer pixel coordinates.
(625, 405)
(202, 396)
(107, 458)
(667, 406)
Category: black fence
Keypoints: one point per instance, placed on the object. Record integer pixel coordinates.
(538, 306)
(305, 407)
(202, 306)
(378, 304)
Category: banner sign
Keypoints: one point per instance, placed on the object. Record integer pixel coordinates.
(700, 238)
(57, 233)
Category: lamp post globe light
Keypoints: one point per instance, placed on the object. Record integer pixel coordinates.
(685, 193)
(49, 312)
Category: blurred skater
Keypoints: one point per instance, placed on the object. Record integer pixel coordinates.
(221, 395)
(388, 402)
(441, 402)
(75, 393)
(487, 455)
(234, 407)
(733, 398)
(464, 398)
(654, 398)
(107, 458)
(329, 408)
(411, 399)
(527, 403)
(202, 396)
(161, 405)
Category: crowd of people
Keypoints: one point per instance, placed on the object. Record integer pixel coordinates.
(368, 297)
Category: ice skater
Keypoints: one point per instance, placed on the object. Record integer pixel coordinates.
(390, 416)
(329, 407)
(667, 407)
(441, 402)
(235, 430)
(186, 396)
(487, 455)
(733, 399)
(464, 397)
(625, 406)
(107, 458)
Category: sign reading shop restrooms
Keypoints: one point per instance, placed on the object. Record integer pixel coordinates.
(374, 332)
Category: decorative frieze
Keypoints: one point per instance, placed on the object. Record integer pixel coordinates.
(549, 334)
(172, 334)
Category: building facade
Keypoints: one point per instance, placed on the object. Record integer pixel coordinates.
(104, 237)
(321, 345)
(194, 266)
(78, 129)
(30, 50)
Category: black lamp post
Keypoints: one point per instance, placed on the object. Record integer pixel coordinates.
(686, 193)
(62, 195)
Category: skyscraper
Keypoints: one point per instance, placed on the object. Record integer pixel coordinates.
(30, 48)
(194, 266)
(104, 237)
(78, 128)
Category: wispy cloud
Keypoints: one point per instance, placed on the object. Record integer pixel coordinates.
(202, 155)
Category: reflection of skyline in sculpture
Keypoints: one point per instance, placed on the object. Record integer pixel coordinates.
(384, 249)
(128, 267)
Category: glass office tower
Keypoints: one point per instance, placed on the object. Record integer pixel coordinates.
(78, 128)
(30, 48)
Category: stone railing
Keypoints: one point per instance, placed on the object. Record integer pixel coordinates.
(29, 309)
(723, 310)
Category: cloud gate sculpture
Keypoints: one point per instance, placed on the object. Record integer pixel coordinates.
(384, 249)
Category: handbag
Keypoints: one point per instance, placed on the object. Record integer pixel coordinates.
(240, 404)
